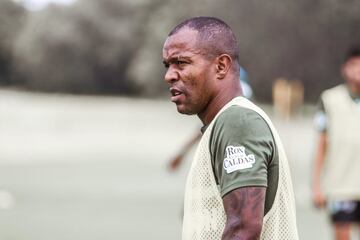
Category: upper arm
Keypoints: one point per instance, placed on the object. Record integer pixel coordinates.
(321, 118)
(242, 148)
(321, 150)
(244, 208)
(321, 121)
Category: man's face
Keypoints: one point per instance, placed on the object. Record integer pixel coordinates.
(351, 71)
(188, 72)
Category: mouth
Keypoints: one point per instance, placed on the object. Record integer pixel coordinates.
(176, 94)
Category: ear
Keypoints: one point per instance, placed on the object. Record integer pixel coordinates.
(224, 63)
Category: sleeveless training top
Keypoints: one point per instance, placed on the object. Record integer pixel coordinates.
(342, 165)
(204, 214)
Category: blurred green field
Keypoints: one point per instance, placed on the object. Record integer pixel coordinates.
(80, 167)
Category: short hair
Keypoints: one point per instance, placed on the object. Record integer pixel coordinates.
(218, 37)
(353, 52)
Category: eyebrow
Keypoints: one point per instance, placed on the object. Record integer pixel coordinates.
(175, 58)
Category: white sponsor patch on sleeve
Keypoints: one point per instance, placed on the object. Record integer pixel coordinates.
(236, 159)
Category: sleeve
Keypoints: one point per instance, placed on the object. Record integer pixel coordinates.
(320, 118)
(242, 148)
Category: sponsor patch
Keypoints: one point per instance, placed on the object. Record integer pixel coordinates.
(236, 159)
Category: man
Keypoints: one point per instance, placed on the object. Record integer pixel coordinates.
(239, 185)
(247, 92)
(338, 121)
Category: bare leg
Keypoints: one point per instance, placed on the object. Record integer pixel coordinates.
(342, 231)
(355, 231)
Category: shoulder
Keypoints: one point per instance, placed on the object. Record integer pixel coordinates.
(241, 148)
(337, 89)
(243, 127)
(242, 119)
(334, 96)
(237, 111)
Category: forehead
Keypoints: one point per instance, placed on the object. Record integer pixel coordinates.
(182, 42)
(352, 62)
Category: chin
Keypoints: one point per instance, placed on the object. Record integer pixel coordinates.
(181, 109)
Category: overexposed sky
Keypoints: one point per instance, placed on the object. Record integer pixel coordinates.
(35, 5)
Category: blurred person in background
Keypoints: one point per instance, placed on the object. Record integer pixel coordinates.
(247, 92)
(239, 184)
(336, 176)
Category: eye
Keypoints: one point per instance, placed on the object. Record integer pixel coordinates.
(166, 65)
(180, 63)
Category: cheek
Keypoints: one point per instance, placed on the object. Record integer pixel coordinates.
(198, 89)
(198, 79)
(353, 73)
(196, 84)
(191, 82)
(357, 72)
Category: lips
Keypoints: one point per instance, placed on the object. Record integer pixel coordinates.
(175, 91)
(176, 94)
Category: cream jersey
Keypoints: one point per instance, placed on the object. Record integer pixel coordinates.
(204, 215)
(342, 165)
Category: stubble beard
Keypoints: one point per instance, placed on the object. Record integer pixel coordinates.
(190, 106)
(182, 109)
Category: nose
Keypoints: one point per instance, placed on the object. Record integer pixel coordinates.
(171, 75)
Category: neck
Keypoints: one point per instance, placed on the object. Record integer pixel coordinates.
(355, 89)
(223, 96)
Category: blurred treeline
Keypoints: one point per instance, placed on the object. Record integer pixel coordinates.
(115, 46)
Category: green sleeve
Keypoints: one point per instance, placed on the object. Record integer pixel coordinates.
(242, 147)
